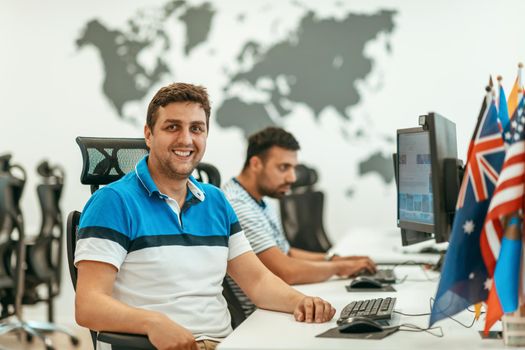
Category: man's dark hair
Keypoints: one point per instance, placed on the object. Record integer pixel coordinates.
(178, 92)
(260, 142)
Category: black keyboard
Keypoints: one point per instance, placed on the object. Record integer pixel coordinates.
(375, 309)
(381, 275)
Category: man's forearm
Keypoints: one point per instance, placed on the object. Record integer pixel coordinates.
(101, 312)
(305, 255)
(304, 271)
(272, 293)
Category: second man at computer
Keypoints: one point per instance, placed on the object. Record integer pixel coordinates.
(269, 170)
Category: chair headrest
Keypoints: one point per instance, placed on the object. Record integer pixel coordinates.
(4, 162)
(207, 173)
(105, 160)
(50, 173)
(306, 176)
(14, 171)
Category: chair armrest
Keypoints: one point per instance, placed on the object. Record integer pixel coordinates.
(125, 340)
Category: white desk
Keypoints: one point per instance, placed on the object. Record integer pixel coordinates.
(267, 330)
(384, 245)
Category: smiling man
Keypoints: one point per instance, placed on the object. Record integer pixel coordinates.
(269, 170)
(154, 247)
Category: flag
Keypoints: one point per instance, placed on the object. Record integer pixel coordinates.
(503, 112)
(508, 196)
(463, 276)
(516, 95)
(502, 259)
(503, 295)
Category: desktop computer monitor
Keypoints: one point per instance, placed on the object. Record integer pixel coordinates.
(428, 178)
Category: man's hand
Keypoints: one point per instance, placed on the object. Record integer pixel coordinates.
(313, 309)
(350, 267)
(350, 257)
(165, 334)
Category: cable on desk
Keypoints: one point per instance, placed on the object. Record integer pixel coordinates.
(401, 280)
(407, 262)
(412, 315)
(413, 262)
(414, 328)
(431, 300)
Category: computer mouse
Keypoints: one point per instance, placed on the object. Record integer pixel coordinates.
(429, 250)
(360, 325)
(365, 283)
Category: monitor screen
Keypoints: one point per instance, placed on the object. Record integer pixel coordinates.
(415, 178)
(428, 177)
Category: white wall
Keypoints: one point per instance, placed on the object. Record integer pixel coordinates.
(442, 55)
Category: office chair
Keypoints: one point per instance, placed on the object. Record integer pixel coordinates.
(105, 160)
(118, 341)
(302, 213)
(44, 253)
(12, 252)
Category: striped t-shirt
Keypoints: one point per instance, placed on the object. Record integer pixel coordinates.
(169, 259)
(261, 226)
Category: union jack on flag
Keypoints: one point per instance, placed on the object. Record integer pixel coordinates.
(484, 143)
(464, 275)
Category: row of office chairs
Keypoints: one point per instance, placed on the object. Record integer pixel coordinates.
(27, 266)
(108, 159)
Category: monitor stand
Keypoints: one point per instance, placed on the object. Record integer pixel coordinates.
(409, 237)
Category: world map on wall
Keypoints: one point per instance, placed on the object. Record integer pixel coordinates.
(322, 53)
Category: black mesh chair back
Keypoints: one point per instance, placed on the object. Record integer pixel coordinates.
(302, 213)
(12, 248)
(44, 255)
(7, 225)
(73, 219)
(105, 160)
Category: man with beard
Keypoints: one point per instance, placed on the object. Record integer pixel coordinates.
(269, 170)
(153, 248)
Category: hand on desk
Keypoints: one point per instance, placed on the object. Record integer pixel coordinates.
(163, 333)
(313, 309)
(351, 257)
(352, 265)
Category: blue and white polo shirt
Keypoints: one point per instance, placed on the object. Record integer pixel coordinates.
(169, 260)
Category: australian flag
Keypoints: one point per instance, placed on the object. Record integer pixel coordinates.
(464, 276)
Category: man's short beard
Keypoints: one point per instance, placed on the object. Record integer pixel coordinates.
(173, 174)
(265, 192)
